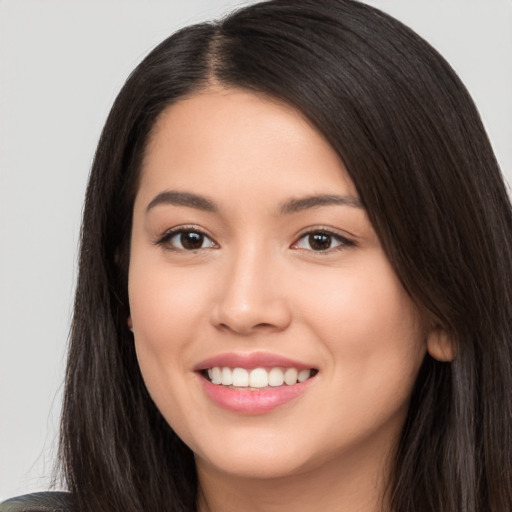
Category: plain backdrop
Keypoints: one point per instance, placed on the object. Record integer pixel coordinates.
(61, 66)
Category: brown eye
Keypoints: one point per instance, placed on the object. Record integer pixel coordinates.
(187, 240)
(321, 241)
(190, 240)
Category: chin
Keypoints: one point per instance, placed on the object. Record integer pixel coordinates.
(254, 466)
(261, 459)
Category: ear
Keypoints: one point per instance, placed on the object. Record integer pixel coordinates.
(130, 323)
(440, 345)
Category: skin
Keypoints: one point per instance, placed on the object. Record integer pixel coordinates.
(260, 286)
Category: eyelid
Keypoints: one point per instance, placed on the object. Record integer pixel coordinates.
(345, 241)
(168, 234)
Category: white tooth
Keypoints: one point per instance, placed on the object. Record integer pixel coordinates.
(304, 375)
(216, 375)
(210, 373)
(227, 377)
(290, 376)
(240, 377)
(275, 377)
(258, 378)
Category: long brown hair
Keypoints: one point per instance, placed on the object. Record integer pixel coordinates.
(414, 146)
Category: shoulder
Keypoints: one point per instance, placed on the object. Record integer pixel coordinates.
(40, 502)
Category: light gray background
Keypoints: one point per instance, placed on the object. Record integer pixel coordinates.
(61, 65)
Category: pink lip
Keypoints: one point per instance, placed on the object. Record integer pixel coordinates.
(245, 401)
(250, 361)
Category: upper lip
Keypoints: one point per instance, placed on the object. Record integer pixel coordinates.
(250, 360)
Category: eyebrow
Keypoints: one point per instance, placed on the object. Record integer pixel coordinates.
(189, 199)
(305, 203)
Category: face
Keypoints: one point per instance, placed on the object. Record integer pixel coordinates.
(270, 328)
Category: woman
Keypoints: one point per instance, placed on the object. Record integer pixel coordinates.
(295, 277)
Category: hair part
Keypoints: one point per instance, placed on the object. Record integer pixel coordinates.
(415, 148)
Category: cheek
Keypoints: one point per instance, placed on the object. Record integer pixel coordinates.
(370, 328)
(368, 303)
(165, 305)
(373, 344)
(167, 313)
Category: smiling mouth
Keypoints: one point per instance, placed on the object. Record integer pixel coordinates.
(257, 378)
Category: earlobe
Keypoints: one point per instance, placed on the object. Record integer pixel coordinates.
(441, 346)
(130, 323)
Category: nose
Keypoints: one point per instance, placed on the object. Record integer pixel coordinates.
(251, 297)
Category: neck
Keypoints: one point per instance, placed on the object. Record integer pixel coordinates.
(348, 484)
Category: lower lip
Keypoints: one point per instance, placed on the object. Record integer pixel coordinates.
(259, 401)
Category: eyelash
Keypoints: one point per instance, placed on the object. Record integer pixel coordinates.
(165, 239)
(344, 243)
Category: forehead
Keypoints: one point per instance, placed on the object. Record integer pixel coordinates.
(221, 136)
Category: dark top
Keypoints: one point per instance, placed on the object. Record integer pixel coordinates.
(40, 502)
